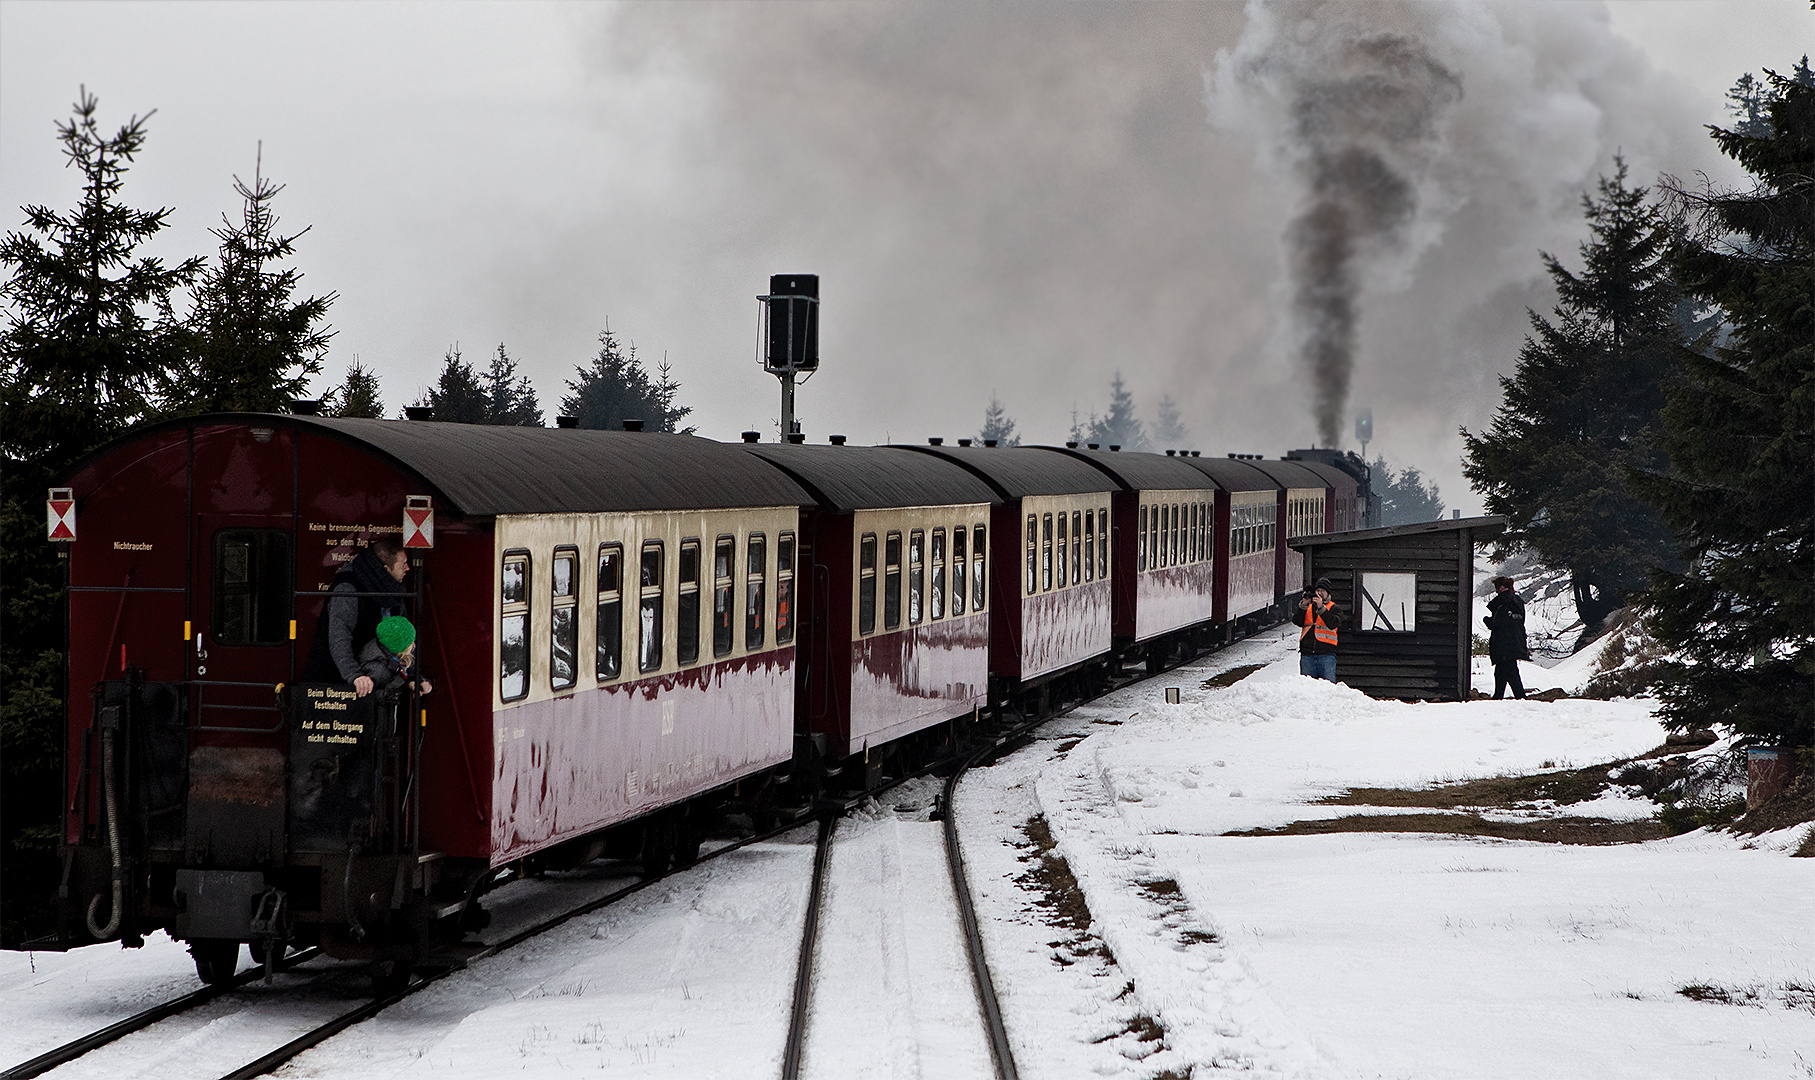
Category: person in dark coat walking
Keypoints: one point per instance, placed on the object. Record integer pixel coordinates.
(1506, 642)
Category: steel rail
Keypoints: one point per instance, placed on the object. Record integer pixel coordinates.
(333, 1027)
(74, 1049)
(803, 970)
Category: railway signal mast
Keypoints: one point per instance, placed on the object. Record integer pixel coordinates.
(790, 339)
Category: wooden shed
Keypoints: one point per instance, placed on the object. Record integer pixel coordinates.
(1406, 595)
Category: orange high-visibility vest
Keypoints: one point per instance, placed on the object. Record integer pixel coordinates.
(1314, 625)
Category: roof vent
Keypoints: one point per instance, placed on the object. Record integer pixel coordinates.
(797, 437)
(1071, 445)
(1172, 453)
(418, 412)
(964, 442)
(1113, 447)
(753, 436)
(1194, 453)
(300, 406)
(633, 425)
(1096, 446)
(990, 442)
(935, 441)
(567, 421)
(835, 440)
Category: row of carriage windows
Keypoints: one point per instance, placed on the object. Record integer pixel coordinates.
(1253, 529)
(739, 597)
(1066, 549)
(1174, 534)
(1304, 517)
(927, 565)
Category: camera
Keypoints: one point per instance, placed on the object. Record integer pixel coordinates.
(1310, 594)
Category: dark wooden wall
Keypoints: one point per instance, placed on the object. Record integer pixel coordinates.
(1430, 663)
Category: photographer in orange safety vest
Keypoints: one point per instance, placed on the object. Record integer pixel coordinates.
(1317, 620)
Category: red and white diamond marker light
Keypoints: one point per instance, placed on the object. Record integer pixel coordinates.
(418, 522)
(62, 513)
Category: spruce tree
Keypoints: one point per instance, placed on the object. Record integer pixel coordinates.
(89, 336)
(616, 387)
(1405, 496)
(458, 396)
(997, 425)
(358, 397)
(1740, 431)
(1581, 409)
(1121, 427)
(250, 346)
(1168, 427)
(510, 399)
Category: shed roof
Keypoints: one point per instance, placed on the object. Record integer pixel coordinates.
(874, 477)
(1015, 471)
(485, 470)
(1488, 526)
(1138, 471)
(1232, 475)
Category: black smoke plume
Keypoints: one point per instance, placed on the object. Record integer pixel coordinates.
(1361, 126)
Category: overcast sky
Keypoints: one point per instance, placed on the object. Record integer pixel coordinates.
(1017, 198)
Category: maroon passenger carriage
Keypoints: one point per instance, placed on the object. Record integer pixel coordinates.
(1051, 562)
(584, 675)
(894, 573)
(1165, 581)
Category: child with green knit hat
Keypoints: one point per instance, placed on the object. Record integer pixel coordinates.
(389, 658)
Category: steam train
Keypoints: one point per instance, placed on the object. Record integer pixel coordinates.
(628, 634)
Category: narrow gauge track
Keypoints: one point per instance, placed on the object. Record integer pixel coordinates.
(1001, 1054)
(94, 1040)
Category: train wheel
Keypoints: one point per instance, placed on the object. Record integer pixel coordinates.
(687, 838)
(216, 961)
(658, 845)
(390, 977)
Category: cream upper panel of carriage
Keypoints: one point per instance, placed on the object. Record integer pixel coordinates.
(1064, 541)
(581, 601)
(917, 565)
(1174, 528)
(1305, 511)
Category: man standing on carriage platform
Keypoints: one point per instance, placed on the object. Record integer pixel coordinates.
(1317, 619)
(350, 616)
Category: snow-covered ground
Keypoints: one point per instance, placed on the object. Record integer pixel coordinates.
(1324, 956)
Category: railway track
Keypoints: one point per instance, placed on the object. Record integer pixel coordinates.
(1001, 1053)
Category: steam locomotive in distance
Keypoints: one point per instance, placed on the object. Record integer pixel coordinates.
(626, 633)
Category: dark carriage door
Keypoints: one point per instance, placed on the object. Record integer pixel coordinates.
(242, 647)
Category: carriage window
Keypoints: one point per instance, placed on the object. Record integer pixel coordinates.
(649, 616)
(564, 621)
(253, 570)
(1061, 551)
(1090, 545)
(1046, 553)
(756, 589)
(1077, 547)
(1175, 547)
(722, 555)
(978, 550)
(1141, 531)
(1033, 554)
(891, 581)
(687, 604)
(936, 598)
(513, 627)
(866, 584)
(609, 648)
(784, 588)
(1103, 543)
(959, 571)
(916, 575)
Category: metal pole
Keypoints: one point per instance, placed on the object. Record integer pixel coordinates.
(787, 404)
